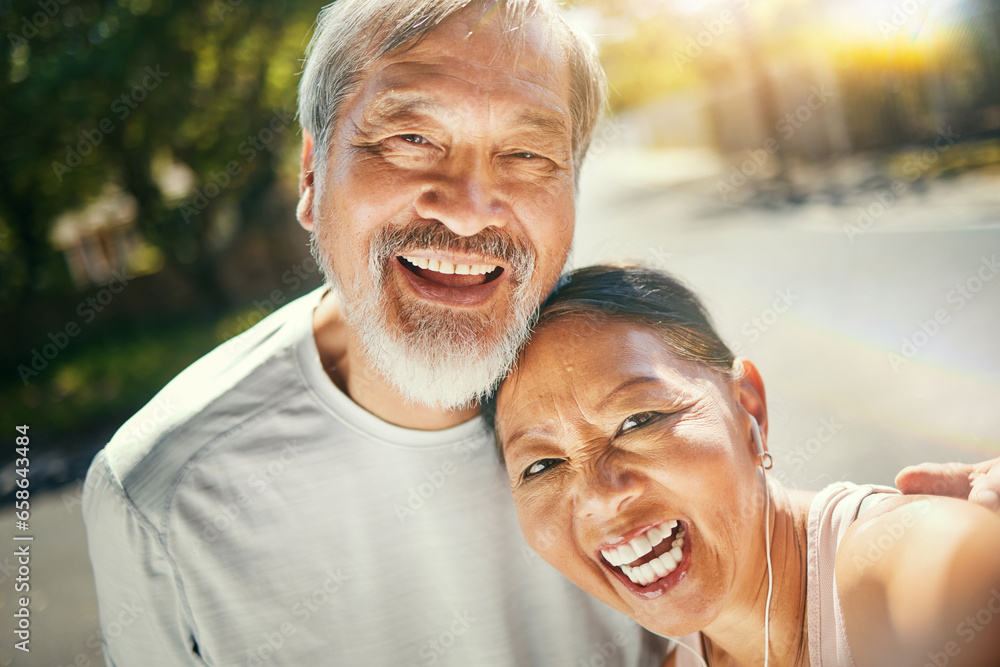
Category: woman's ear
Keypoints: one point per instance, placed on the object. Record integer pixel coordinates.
(307, 189)
(751, 393)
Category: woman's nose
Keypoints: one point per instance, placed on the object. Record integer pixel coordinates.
(607, 489)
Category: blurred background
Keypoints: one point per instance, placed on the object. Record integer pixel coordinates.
(826, 173)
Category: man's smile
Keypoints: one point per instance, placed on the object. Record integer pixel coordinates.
(451, 280)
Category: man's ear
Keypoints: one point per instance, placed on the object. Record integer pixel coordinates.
(307, 190)
(751, 394)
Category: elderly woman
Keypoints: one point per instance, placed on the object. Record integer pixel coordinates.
(636, 448)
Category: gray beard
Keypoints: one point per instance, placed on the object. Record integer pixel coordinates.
(434, 356)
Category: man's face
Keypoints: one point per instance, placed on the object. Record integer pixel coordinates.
(446, 210)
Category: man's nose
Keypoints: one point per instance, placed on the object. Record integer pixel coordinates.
(464, 198)
(607, 489)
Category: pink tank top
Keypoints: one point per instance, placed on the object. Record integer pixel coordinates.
(831, 513)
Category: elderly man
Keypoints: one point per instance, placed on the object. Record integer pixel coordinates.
(318, 491)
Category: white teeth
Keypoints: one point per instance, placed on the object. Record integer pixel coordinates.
(449, 267)
(626, 554)
(658, 568)
(641, 546)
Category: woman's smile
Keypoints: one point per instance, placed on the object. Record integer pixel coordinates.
(652, 561)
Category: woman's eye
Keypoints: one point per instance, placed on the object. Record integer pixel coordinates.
(539, 467)
(635, 421)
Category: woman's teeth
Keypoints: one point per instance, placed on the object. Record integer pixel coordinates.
(449, 268)
(639, 546)
(655, 569)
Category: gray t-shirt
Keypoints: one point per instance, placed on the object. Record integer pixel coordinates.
(252, 514)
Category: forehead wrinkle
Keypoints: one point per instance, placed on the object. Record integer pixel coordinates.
(546, 125)
(399, 106)
(399, 71)
(630, 382)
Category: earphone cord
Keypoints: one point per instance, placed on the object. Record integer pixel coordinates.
(678, 642)
(770, 577)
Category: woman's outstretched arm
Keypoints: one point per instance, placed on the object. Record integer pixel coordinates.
(919, 582)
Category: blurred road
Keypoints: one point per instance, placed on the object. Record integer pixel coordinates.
(819, 309)
(64, 629)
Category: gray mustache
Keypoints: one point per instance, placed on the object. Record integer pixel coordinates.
(491, 243)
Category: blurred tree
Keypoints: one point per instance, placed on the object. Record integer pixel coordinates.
(97, 92)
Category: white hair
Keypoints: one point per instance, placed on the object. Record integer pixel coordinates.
(350, 35)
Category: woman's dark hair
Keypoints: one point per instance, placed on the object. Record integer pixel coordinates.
(640, 296)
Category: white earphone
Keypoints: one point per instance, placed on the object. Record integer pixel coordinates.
(766, 460)
(766, 463)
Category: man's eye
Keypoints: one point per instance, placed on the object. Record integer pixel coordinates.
(636, 420)
(539, 467)
(413, 139)
(525, 155)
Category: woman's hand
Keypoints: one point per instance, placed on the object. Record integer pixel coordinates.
(978, 483)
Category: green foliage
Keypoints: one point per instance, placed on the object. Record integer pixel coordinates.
(104, 378)
(113, 85)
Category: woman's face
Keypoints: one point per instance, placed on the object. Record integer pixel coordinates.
(620, 453)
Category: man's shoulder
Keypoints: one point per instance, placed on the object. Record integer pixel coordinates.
(234, 384)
